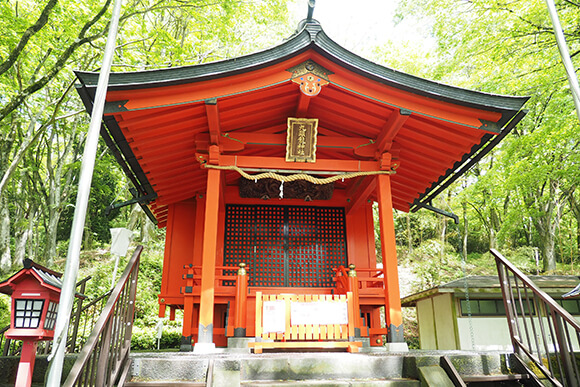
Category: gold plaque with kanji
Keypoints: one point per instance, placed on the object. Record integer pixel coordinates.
(301, 140)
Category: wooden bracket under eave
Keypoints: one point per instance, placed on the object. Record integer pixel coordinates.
(213, 121)
(390, 130)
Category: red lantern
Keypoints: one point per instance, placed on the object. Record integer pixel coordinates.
(35, 292)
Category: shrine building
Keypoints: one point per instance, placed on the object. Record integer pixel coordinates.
(264, 170)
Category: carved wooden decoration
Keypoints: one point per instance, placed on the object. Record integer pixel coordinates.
(270, 189)
(301, 139)
(310, 76)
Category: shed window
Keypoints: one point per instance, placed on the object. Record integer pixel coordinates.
(483, 307)
(572, 306)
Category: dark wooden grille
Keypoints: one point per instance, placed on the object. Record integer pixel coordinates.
(286, 246)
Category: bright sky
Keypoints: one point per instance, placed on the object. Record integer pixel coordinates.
(359, 25)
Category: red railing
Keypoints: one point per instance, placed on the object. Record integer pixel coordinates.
(371, 278)
(225, 275)
(541, 330)
(341, 279)
(105, 356)
(367, 279)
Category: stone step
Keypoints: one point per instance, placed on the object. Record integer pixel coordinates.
(434, 376)
(290, 383)
(163, 384)
(335, 383)
(300, 369)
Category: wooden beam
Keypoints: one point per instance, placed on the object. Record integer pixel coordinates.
(302, 106)
(136, 134)
(281, 163)
(237, 141)
(156, 117)
(213, 121)
(394, 123)
(185, 161)
(432, 144)
(361, 195)
(174, 198)
(166, 158)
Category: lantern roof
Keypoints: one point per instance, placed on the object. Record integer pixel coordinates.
(160, 123)
(47, 278)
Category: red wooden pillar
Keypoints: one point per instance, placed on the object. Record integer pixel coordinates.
(210, 239)
(393, 315)
(26, 365)
(186, 343)
(241, 301)
(353, 287)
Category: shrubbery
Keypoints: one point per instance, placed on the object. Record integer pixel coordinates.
(144, 338)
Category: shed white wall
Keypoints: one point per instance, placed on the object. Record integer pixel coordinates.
(489, 333)
(436, 318)
(441, 327)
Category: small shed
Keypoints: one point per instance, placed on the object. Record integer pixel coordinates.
(469, 313)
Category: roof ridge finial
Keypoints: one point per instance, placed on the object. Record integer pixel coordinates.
(311, 5)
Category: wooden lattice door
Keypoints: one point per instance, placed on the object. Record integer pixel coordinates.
(286, 246)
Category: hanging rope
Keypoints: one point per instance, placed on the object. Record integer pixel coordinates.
(298, 176)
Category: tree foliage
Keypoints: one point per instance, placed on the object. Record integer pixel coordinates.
(525, 192)
(42, 124)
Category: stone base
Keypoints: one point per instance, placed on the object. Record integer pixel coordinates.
(185, 345)
(201, 348)
(239, 342)
(397, 347)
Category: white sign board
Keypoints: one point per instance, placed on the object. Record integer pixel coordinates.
(274, 316)
(120, 240)
(318, 313)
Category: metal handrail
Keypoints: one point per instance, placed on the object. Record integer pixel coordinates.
(106, 351)
(540, 329)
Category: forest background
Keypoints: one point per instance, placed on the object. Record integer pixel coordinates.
(521, 199)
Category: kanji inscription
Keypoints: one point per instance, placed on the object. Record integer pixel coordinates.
(301, 140)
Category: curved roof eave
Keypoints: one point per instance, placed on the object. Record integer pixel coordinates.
(311, 35)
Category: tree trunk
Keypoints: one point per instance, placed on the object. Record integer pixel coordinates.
(546, 221)
(5, 256)
(51, 234)
(20, 245)
(465, 231)
(575, 206)
(409, 238)
(443, 238)
(494, 226)
(547, 247)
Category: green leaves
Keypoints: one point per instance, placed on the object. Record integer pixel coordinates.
(509, 48)
(36, 79)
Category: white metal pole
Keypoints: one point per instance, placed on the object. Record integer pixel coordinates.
(86, 176)
(115, 271)
(565, 55)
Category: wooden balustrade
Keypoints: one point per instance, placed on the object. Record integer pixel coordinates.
(305, 321)
(222, 277)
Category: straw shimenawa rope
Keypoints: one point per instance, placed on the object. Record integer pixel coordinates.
(298, 176)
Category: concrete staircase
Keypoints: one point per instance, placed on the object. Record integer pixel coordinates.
(414, 368)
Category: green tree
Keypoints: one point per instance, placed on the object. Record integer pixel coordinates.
(509, 48)
(41, 126)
